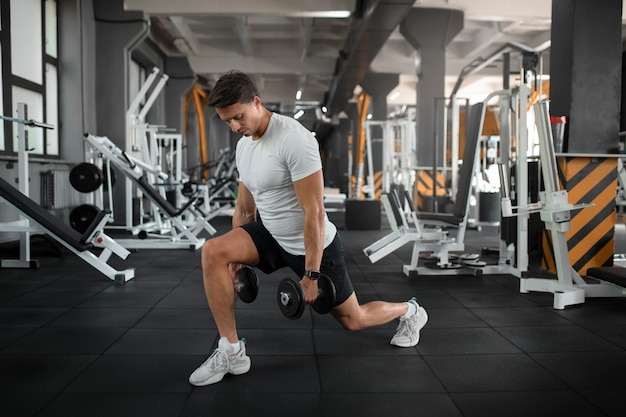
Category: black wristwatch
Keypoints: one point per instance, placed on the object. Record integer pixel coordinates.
(312, 274)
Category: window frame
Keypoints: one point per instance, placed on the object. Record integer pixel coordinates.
(10, 80)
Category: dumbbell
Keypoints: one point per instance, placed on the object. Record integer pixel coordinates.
(247, 283)
(291, 302)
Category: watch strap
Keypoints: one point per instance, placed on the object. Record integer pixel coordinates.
(312, 274)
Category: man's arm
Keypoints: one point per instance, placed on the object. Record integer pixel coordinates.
(245, 207)
(310, 194)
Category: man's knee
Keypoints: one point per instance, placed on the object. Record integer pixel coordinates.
(350, 324)
(212, 251)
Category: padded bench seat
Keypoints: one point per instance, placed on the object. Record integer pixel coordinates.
(613, 274)
(46, 219)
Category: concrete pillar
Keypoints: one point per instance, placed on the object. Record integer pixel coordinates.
(430, 30)
(118, 33)
(378, 86)
(586, 72)
(585, 86)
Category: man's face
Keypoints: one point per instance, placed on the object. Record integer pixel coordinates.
(242, 118)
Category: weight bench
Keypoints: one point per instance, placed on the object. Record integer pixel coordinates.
(183, 225)
(428, 231)
(81, 245)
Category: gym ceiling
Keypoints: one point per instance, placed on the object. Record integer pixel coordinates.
(324, 47)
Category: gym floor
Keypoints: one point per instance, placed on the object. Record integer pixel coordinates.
(74, 344)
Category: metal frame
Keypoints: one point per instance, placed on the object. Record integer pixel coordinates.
(178, 231)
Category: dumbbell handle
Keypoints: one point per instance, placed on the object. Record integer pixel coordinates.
(285, 298)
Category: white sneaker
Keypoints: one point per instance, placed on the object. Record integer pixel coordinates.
(220, 363)
(408, 331)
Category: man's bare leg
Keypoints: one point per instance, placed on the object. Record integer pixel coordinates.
(235, 247)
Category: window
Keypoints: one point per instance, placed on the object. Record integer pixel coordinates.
(28, 58)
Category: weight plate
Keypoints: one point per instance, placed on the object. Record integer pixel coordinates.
(250, 282)
(327, 295)
(290, 299)
(82, 216)
(435, 265)
(86, 177)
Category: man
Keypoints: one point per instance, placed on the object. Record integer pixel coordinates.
(280, 174)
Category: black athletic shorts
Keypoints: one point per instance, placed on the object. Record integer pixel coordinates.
(273, 257)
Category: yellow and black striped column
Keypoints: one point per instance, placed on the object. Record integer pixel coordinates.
(427, 190)
(591, 240)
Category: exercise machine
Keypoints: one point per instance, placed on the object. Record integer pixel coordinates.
(35, 219)
(428, 231)
(180, 227)
(569, 288)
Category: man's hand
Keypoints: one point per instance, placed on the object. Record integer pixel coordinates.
(309, 287)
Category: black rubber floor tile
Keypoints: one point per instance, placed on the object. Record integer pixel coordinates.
(448, 318)
(202, 403)
(361, 343)
(114, 404)
(463, 341)
(486, 373)
(13, 287)
(163, 342)
(183, 299)
(118, 298)
(10, 334)
(614, 333)
(28, 317)
(388, 404)
(271, 319)
(610, 401)
(137, 374)
(65, 341)
(24, 404)
(376, 374)
(492, 299)
(595, 310)
(177, 318)
(267, 343)
(436, 299)
(466, 284)
(520, 316)
(584, 371)
(524, 404)
(50, 299)
(100, 317)
(556, 339)
(39, 373)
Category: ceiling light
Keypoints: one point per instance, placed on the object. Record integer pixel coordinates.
(324, 109)
(298, 114)
(394, 96)
(298, 94)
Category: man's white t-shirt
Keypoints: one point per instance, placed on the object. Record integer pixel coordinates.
(287, 152)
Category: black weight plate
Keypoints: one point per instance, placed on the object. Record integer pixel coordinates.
(327, 296)
(82, 216)
(290, 299)
(250, 281)
(86, 177)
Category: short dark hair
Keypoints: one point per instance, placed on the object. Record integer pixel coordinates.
(232, 88)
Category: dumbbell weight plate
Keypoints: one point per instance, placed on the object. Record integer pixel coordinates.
(86, 177)
(250, 284)
(290, 299)
(326, 300)
(82, 216)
